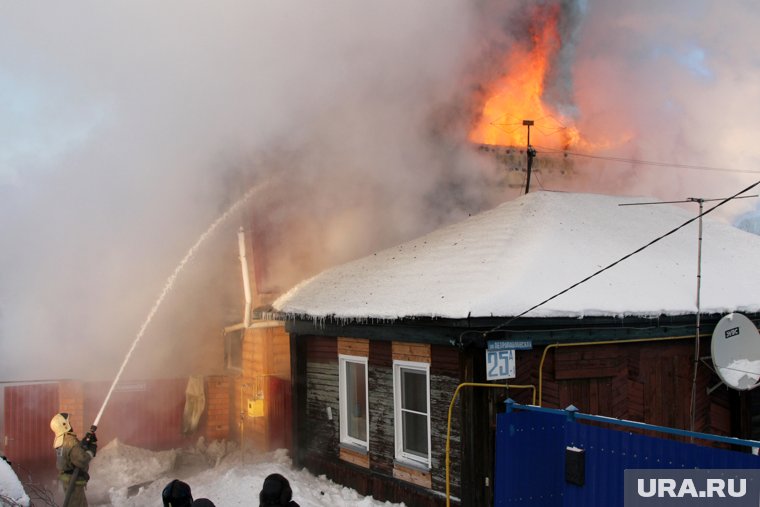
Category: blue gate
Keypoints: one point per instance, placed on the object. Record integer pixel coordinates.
(534, 444)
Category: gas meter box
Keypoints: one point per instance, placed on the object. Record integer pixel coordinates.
(255, 408)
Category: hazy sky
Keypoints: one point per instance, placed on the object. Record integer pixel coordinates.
(126, 128)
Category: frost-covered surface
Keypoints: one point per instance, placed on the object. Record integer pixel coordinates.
(504, 261)
(743, 373)
(233, 481)
(118, 465)
(10, 486)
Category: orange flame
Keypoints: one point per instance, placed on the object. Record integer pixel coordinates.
(518, 95)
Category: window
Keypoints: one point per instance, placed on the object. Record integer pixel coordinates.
(233, 350)
(354, 423)
(411, 389)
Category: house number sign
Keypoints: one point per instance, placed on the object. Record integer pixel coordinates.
(500, 364)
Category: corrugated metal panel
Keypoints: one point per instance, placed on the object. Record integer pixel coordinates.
(610, 452)
(530, 454)
(528, 470)
(143, 413)
(28, 439)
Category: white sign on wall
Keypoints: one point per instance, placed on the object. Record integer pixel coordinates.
(500, 364)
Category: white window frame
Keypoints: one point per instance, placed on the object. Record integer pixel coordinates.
(401, 455)
(345, 438)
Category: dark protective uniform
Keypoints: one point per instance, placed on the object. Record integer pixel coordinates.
(68, 455)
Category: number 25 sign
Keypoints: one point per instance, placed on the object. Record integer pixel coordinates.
(500, 364)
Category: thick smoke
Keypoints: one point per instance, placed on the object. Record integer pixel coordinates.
(675, 82)
(647, 82)
(127, 129)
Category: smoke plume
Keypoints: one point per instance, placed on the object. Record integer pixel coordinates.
(126, 129)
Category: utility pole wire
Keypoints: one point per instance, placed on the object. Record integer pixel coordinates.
(650, 162)
(710, 210)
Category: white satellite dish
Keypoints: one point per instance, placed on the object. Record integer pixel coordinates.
(736, 352)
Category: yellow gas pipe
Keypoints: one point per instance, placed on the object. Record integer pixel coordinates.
(540, 386)
(451, 409)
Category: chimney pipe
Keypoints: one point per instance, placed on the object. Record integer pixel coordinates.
(246, 287)
(246, 280)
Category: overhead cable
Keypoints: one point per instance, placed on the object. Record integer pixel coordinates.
(625, 257)
(649, 162)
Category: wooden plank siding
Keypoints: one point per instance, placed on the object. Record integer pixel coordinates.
(265, 359)
(642, 381)
(353, 346)
(384, 479)
(415, 352)
(322, 407)
(646, 381)
(381, 431)
(444, 379)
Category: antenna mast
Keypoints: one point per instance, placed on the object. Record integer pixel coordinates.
(701, 202)
(693, 408)
(531, 154)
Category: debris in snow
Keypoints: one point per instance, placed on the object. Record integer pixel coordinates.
(11, 490)
(118, 465)
(204, 455)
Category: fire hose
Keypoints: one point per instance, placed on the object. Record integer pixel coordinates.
(86, 444)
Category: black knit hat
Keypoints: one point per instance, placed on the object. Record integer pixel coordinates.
(177, 494)
(275, 491)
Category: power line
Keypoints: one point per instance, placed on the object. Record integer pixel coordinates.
(562, 127)
(651, 162)
(625, 257)
(683, 201)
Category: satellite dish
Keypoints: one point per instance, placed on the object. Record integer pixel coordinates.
(736, 352)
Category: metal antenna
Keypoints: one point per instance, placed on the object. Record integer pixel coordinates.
(531, 154)
(693, 407)
(701, 202)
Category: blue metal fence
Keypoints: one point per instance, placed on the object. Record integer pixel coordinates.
(531, 444)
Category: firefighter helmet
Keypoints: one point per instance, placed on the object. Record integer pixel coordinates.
(60, 425)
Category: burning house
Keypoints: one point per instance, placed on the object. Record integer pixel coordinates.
(354, 369)
(380, 345)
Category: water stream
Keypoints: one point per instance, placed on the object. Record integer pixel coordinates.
(167, 287)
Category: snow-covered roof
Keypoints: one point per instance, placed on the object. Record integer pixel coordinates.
(505, 260)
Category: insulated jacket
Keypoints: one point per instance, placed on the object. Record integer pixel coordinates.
(70, 454)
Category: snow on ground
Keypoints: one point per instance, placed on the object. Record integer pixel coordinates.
(10, 486)
(125, 476)
(119, 466)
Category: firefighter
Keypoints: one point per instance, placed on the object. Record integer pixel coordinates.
(70, 453)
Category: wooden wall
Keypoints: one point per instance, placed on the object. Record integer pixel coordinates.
(266, 354)
(321, 435)
(647, 382)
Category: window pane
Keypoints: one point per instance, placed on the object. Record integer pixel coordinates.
(356, 400)
(414, 390)
(233, 350)
(415, 434)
